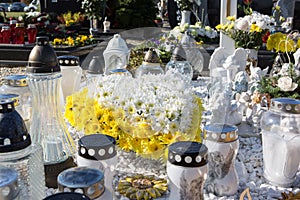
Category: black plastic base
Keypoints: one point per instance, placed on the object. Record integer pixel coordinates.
(53, 170)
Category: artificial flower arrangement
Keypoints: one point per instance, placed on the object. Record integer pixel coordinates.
(247, 31)
(283, 43)
(70, 18)
(76, 41)
(144, 115)
(185, 4)
(199, 32)
(285, 82)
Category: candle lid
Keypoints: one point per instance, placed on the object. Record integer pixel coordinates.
(8, 183)
(15, 80)
(84, 180)
(188, 154)
(179, 54)
(287, 105)
(95, 66)
(13, 97)
(220, 133)
(117, 43)
(42, 58)
(151, 56)
(67, 196)
(13, 132)
(97, 147)
(187, 40)
(68, 60)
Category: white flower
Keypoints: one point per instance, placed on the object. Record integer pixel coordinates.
(242, 24)
(286, 84)
(163, 101)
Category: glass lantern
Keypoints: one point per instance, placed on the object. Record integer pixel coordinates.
(116, 54)
(17, 85)
(281, 141)
(48, 127)
(179, 64)
(18, 152)
(94, 72)
(150, 65)
(193, 54)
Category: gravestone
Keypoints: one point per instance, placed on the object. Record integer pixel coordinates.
(287, 7)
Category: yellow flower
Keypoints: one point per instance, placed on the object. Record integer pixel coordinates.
(255, 28)
(231, 18)
(219, 26)
(57, 41)
(166, 138)
(298, 43)
(154, 147)
(281, 43)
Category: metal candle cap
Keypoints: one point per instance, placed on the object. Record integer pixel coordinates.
(13, 132)
(68, 60)
(95, 66)
(67, 196)
(42, 58)
(9, 97)
(97, 147)
(84, 180)
(9, 188)
(220, 133)
(287, 105)
(151, 56)
(179, 54)
(15, 80)
(188, 154)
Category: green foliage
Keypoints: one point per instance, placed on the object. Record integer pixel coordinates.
(135, 13)
(93, 9)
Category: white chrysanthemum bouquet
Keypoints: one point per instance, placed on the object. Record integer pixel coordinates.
(144, 115)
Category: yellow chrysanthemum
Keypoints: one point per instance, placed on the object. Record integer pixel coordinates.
(255, 28)
(57, 41)
(154, 147)
(166, 138)
(231, 18)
